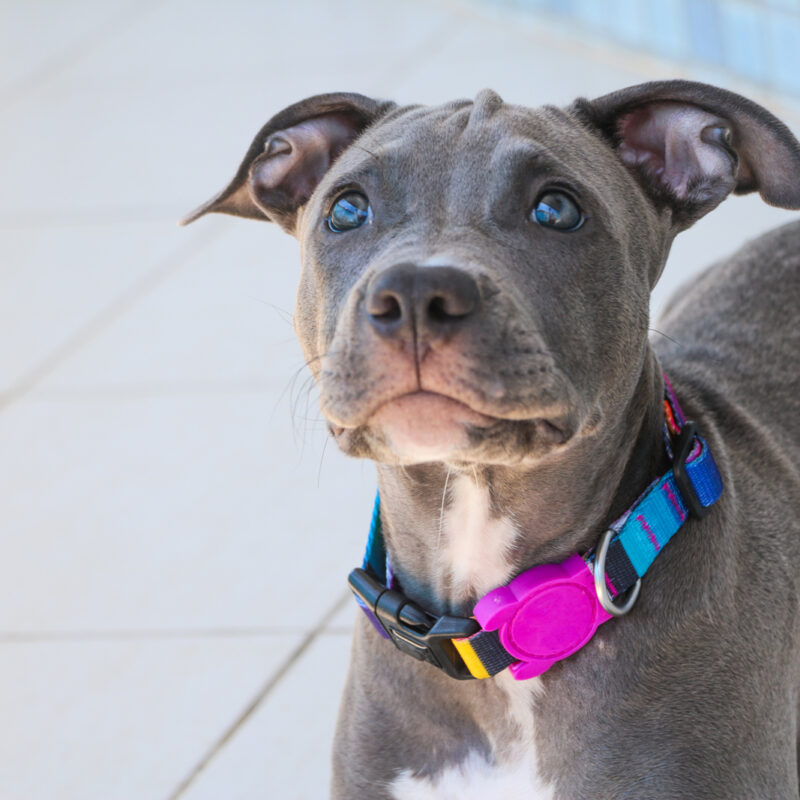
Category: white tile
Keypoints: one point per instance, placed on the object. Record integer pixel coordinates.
(122, 720)
(133, 153)
(224, 316)
(56, 281)
(187, 41)
(284, 750)
(38, 35)
(171, 512)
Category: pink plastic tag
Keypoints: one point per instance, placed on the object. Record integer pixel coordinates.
(544, 615)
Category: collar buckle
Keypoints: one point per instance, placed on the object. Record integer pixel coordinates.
(415, 632)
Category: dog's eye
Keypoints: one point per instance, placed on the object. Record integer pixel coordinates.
(351, 210)
(557, 210)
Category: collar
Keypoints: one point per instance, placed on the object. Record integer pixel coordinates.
(550, 611)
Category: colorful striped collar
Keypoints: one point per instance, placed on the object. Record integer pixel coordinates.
(549, 611)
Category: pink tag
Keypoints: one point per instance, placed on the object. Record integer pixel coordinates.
(544, 615)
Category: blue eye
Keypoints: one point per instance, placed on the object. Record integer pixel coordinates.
(351, 210)
(558, 211)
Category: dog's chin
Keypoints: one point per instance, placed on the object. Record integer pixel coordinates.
(423, 427)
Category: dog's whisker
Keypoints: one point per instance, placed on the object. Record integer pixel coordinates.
(303, 393)
(283, 313)
(441, 510)
(321, 459)
(290, 386)
(666, 336)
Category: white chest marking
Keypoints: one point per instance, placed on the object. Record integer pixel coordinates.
(475, 554)
(473, 779)
(511, 772)
(476, 546)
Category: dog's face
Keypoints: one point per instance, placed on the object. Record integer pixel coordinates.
(440, 326)
(475, 276)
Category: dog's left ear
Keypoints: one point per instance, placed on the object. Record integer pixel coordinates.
(691, 145)
(290, 155)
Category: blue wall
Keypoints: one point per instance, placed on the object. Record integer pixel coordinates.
(756, 39)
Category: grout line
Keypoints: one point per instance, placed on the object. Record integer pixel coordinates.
(339, 630)
(76, 51)
(262, 695)
(34, 637)
(150, 281)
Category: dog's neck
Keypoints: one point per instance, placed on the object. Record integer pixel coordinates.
(455, 534)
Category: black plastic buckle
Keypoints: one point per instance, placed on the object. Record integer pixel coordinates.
(412, 630)
(683, 447)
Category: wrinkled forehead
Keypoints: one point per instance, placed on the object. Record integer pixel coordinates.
(480, 140)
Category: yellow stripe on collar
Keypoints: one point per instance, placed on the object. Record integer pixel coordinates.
(470, 658)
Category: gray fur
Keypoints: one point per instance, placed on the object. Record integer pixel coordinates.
(695, 693)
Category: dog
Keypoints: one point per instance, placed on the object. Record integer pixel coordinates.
(473, 305)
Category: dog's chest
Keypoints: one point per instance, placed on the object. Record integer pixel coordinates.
(474, 779)
(511, 769)
(474, 554)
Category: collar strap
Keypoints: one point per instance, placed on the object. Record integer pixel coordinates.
(549, 611)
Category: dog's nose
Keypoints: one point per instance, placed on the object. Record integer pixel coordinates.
(433, 301)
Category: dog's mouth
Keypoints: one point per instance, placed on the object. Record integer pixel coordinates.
(424, 426)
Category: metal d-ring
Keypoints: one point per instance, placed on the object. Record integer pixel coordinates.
(600, 580)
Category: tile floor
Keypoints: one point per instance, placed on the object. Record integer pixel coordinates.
(163, 469)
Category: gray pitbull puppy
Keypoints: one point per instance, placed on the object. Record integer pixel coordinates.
(473, 305)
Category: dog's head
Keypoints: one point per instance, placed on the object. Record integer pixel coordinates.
(476, 275)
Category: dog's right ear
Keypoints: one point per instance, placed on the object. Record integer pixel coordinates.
(290, 155)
